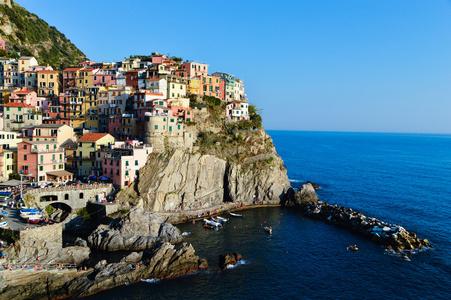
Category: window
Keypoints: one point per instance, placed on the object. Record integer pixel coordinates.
(126, 173)
(136, 162)
(25, 146)
(81, 196)
(156, 127)
(25, 157)
(126, 163)
(41, 168)
(66, 197)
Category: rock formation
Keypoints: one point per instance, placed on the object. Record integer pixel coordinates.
(393, 237)
(162, 262)
(228, 260)
(183, 180)
(139, 230)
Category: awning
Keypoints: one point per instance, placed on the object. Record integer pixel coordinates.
(60, 173)
(12, 183)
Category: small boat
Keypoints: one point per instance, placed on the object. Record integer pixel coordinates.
(31, 214)
(222, 220)
(209, 226)
(3, 212)
(268, 229)
(212, 223)
(353, 248)
(35, 220)
(3, 223)
(186, 233)
(236, 215)
(26, 211)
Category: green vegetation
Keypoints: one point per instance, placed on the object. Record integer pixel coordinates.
(120, 212)
(15, 176)
(84, 213)
(49, 210)
(33, 36)
(216, 107)
(254, 115)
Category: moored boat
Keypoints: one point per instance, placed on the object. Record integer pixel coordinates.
(3, 223)
(236, 215)
(268, 229)
(35, 220)
(353, 248)
(222, 220)
(3, 212)
(31, 214)
(212, 223)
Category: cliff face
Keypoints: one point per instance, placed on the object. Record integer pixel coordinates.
(184, 180)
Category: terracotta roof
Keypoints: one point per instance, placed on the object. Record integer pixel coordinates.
(71, 69)
(23, 92)
(92, 137)
(18, 105)
(48, 71)
(154, 79)
(154, 94)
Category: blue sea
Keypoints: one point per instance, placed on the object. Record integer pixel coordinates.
(398, 178)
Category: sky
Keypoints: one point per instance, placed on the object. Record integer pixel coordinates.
(316, 65)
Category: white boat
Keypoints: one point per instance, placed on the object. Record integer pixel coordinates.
(236, 215)
(268, 229)
(3, 212)
(3, 223)
(212, 223)
(31, 214)
(221, 219)
(186, 233)
(26, 211)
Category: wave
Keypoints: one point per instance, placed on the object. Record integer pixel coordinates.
(239, 263)
(150, 280)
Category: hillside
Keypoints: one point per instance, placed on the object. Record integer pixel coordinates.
(28, 34)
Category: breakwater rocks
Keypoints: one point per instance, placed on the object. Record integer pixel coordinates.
(138, 230)
(229, 260)
(393, 237)
(162, 262)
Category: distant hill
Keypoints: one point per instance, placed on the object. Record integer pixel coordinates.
(28, 34)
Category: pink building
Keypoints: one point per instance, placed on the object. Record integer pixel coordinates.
(3, 45)
(183, 113)
(123, 127)
(103, 77)
(43, 161)
(30, 98)
(122, 163)
(158, 59)
(195, 69)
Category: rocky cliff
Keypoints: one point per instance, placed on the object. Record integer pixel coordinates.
(162, 262)
(233, 167)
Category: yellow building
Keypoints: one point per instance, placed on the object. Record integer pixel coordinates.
(193, 86)
(48, 84)
(8, 153)
(90, 109)
(86, 152)
(84, 78)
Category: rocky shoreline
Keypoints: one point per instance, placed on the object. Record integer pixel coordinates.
(391, 236)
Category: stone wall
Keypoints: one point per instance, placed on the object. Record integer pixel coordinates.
(74, 197)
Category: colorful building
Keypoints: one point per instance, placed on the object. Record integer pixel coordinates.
(42, 161)
(194, 69)
(48, 83)
(237, 111)
(18, 115)
(88, 145)
(123, 161)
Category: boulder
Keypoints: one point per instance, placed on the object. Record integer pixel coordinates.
(138, 230)
(304, 197)
(229, 259)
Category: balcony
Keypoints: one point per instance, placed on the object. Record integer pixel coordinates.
(47, 150)
(58, 161)
(17, 121)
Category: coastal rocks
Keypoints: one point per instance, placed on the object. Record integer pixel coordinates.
(304, 197)
(315, 186)
(229, 260)
(139, 230)
(393, 237)
(164, 261)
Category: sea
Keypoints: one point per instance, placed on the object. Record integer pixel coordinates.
(403, 179)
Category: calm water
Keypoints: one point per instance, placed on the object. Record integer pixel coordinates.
(404, 179)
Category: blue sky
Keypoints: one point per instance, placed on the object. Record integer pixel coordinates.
(373, 66)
